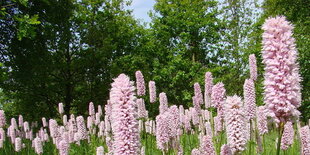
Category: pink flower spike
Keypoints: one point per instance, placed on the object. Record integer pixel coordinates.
(208, 88)
(124, 116)
(152, 90)
(195, 152)
(198, 93)
(249, 98)
(91, 109)
(282, 91)
(225, 150)
(218, 95)
(61, 108)
(100, 150)
(235, 124)
(2, 119)
(253, 67)
(305, 140)
(207, 147)
(262, 120)
(163, 102)
(140, 83)
(287, 136)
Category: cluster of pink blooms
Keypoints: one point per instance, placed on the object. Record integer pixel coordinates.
(218, 98)
(287, 136)
(262, 120)
(253, 67)
(305, 140)
(235, 124)
(225, 150)
(208, 88)
(124, 117)
(249, 98)
(163, 102)
(140, 83)
(282, 80)
(152, 90)
(72, 131)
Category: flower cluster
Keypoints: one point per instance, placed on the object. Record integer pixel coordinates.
(282, 80)
(235, 124)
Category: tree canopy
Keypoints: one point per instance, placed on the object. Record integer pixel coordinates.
(69, 51)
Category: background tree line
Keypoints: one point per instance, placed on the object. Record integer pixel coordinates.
(70, 50)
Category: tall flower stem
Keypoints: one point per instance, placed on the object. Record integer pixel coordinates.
(281, 126)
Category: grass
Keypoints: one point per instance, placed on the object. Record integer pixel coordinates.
(188, 142)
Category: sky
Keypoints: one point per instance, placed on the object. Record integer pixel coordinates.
(141, 8)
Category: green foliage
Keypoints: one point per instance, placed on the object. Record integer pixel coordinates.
(69, 51)
(24, 23)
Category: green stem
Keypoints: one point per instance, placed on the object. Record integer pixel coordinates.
(281, 125)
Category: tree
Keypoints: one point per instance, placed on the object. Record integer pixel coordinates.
(184, 36)
(71, 57)
(238, 18)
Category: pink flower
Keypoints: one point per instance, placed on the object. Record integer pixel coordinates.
(174, 121)
(91, 109)
(81, 128)
(249, 98)
(218, 123)
(253, 67)
(18, 144)
(100, 150)
(38, 145)
(225, 150)
(206, 147)
(305, 140)
(152, 90)
(195, 152)
(61, 108)
(63, 147)
(287, 136)
(44, 123)
(218, 95)
(64, 119)
(53, 128)
(13, 123)
(282, 80)
(218, 98)
(196, 105)
(108, 110)
(187, 123)
(194, 115)
(100, 110)
(2, 119)
(142, 113)
(163, 102)
(2, 135)
(124, 117)
(208, 89)
(140, 83)
(90, 122)
(26, 126)
(20, 121)
(262, 120)
(198, 93)
(162, 128)
(208, 129)
(235, 124)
